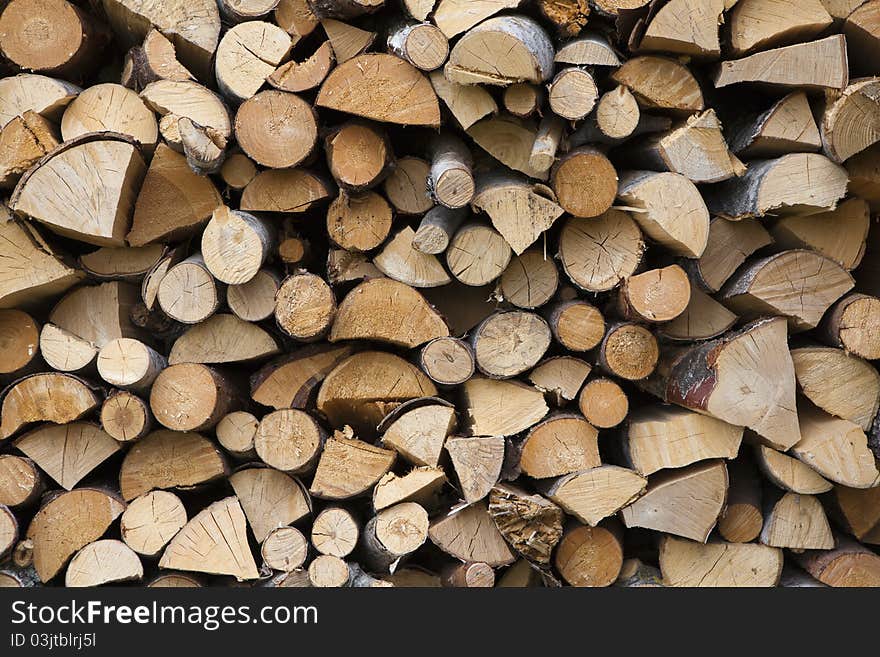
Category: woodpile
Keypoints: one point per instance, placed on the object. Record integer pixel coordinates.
(356, 293)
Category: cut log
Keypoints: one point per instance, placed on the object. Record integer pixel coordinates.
(684, 230)
(285, 190)
(349, 467)
(590, 556)
(657, 295)
(799, 285)
(502, 408)
(302, 76)
(728, 245)
(305, 307)
(113, 108)
(174, 100)
(65, 352)
(125, 417)
(335, 532)
(547, 140)
(169, 459)
(509, 139)
(477, 463)
(507, 344)
(421, 485)
(585, 182)
(365, 85)
(214, 541)
(862, 33)
(787, 127)
(560, 378)
(457, 16)
(151, 520)
(451, 181)
(668, 437)
(596, 493)
(685, 502)
(598, 254)
(790, 474)
(21, 483)
(68, 452)
(437, 228)
(702, 319)
(247, 54)
(797, 522)
(155, 59)
(68, 522)
(661, 83)
(37, 93)
(327, 571)
(254, 301)
(568, 17)
(20, 341)
(839, 383)
(603, 403)
(467, 103)
(359, 155)
(469, 575)
(447, 361)
(392, 534)
(103, 562)
(347, 40)
(418, 430)
(407, 186)
(23, 141)
(97, 314)
(477, 254)
(468, 533)
(856, 511)
(617, 114)
(191, 397)
(836, 449)
(815, 65)
(852, 324)
(222, 339)
(688, 564)
(122, 263)
(276, 129)
(173, 202)
(851, 123)
(289, 440)
(847, 565)
(530, 524)
(285, 549)
(572, 94)
(576, 325)
(629, 351)
(8, 531)
(130, 364)
(759, 24)
(588, 49)
(49, 397)
(270, 499)
(560, 445)
(685, 28)
(235, 245)
(422, 44)
(743, 518)
(236, 433)
(188, 293)
(401, 261)
(522, 99)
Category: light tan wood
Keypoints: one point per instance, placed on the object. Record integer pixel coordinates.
(103, 562)
(560, 378)
(727, 247)
(349, 467)
(125, 417)
(48, 397)
(789, 473)
(436, 229)
(447, 361)
(407, 186)
(547, 140)
(392, 534)
(502, 408)
(743, 518)
(531, 524)
(585, 182)
(151, 520)
(285, 549)
(572, 94)
(702, 319)
(305, 306)
(254, 301)
(686, 28)
(422, 484)
(176, 99)
(348, 41)
(468, 103)
(786, 127)
(797, 522)
(509, 139)
(223, 339)
(855, 510)
(661, 83)
(130, 364)
(851, 324)
(270, 140)
(457, 16)
(603, 403)
(477, 254)
(270, 499)
(590, 556)
(629, 351)
(285, 190)
(403, 262)
(423, 45)
(560, 445)
(37, 93)
(418, 431)
(507, 344)
(23, 141)
(655, 296)
(469, 534)
(191, 397)
(594, 494)
(296, 77)
(477, 463)
(861, 31)
(359, 155)
(598, 254)
(236, 433)
(849, 124)
(688, 564)
(759, 24)
(154, 59)
(20, 481)
(522, 99)
(64, 351)
(289, 440)
(839, 234)
(847, 565)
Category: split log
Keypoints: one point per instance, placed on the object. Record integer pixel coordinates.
(685, 28)
(392, 534)
(861, 31)
(276, 129)
(154, 59)
(21, 483)
(336, 532)
(560, 445)
(270, 499)
(37, 93)
(702, 319)
(477, 254)
(347, 41)
(509, 139)
(254, 301)
(743, 517)
(816, 65)
(125, 417)
(847, 565)
(222, 339)
(103, 562)
(789, 473)
(502, 408)
(289, 440)
(296, 77)
(418, 430)
(849, 122)
(305, 307)
(64, 351)
(285, 549)
(67, 452)
(568, 17)
(799, 285)
(657, 295)
(727, 247)
(215, 542)
(560, 378)
(590, 556)
(437, 228)
(151, 520)
(23, 141)
(422, 44)
(130, 364)
(661, 83)
(686, 563)
(628, 351)
(174, 100)
(588, 49)
(852, 324)
(67, 523)
(422, 485)
(507, 344)
(359, 222)
(839, 383)
(349, 467)
(617, 114)
(594, 494)
(759, 24)
(48, 397)
(407, 186)
(787, 127)
(797, 522)
(236, 433)
(685, 502)
(169, 459)
(468, 533)
(467, 103)
(401, 261)
(856, 511)
(683, 230)
(20, 341)
(457, 16)
(447, 361)
(113, 108)
(284, 190)
(477, 463)
(204, 147)
(603, 403)
(547, 140)
(451, 181)
(663, 437)
(598, 254)
(237, 11)
(122, 263)
(188, 293)
(531, 524)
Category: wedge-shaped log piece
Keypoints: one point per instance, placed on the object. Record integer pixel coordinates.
(246, 55)
(685, 27)
(297, 76)
(851, 123)
(223, 338)
(588, 49)
(215, 542)
(110, 107)
(383, 88)
(847, 565)
(469, 534)
(457, 16)
(502, 408)
(684, 502)
(790, 474)
(49, 397)
(169, 459)
(518, 209)
(89, 164)
(347, 41)
(154, 59)
(68, 522)
(561, 444)
(861, 31)
(123, 262)
(760, 24)
(477, 462)
(688, 564)
(23, 141)
(817, 65)
(174, 100)
(560, 378)
(839, 383)
(97, 314)
(787, 127)
(594, 494)
(173, 202)
(662, 437)
(661, 83)
(797, 522)
(683, 227)
(36, 93)
(702, 319)
(467, 103)
(349, 467)
(728, 246)
(836, 449)
(29, 270)
(270, 499)
(417, 430)
(284, 190)
(103, 562)
(857, 511)
(799, 285)
(290, 380)
(745, 378)
(151, 520)
(400, 260)
(509, 139)
(502, 51)
(406, 320)
(421, 485)
(68, 452)
(531, 524)
(742, 519)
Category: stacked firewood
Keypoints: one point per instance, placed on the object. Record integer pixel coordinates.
(439, 292)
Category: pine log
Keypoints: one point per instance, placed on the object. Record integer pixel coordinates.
(560, 445)
(188, 293)
(336, 532)
(661, 83)
(124, 263)
(657, 295)
(174, 100)
(702, 319)
(19, 341)
(125, 417)
(349, 467)
(276, 129)
(469, 575)
(359, 155)
(572, 94)
(254, 301)
(66, 352)
(270, 499)
(849, 123)
(847, 565)
(8, 531)
(852, 324)
(191, 397)
(417, 430)
(468, 533)
(154, 59)
(590, 556)
(603, 403)
(786, 127)
(129, 364)
(477, 254)
(585, 182)
(588, 49)
(347, 41)
(742, 519)
(289, 440)
(423, 45)
(457, 16)
(151, 520)
(359, 222)
(728, 245)
(689, 564)
(103, 562)
(598, 254)
(547, 140)
(305, 307)
(790, 474)
(507, 344)
(447, 361)
(47, 397)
